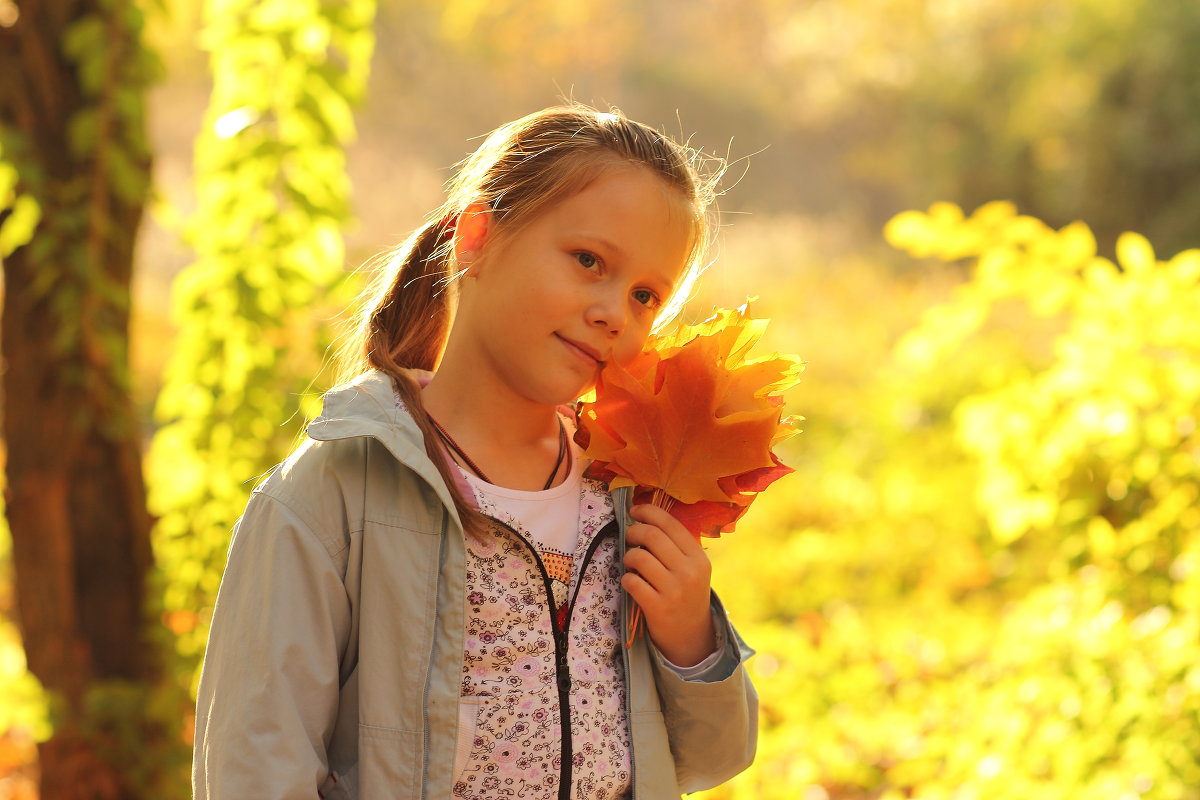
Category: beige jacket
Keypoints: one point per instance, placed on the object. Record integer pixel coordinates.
(335, 654)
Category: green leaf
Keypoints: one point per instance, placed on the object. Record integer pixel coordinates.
(83, 132)
(84, 38)
(130, 179)
(19, 227)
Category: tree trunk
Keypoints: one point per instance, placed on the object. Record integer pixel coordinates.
(75, 496)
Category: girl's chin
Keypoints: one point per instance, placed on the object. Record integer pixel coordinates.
(574, 390)
(566, 395)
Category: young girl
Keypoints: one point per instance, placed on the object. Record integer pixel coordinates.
(428, 599)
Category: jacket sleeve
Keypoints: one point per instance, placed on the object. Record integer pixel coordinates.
(712, 726)
(268, 693)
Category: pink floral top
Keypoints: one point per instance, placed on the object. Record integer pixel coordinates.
(542, 709)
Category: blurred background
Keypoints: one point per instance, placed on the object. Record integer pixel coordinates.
(972, 218)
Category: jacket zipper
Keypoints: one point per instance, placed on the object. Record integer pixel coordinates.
(562, 667)
(620, 509)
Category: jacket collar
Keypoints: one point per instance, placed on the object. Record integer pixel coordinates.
(366, 406)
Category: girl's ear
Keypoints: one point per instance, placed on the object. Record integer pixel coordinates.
(471, 232)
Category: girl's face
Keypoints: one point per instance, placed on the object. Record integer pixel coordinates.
(541, 310)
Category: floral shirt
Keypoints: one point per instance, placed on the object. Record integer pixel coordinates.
(542, 709)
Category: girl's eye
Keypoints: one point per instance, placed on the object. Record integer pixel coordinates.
(586, 260)
(646, 297)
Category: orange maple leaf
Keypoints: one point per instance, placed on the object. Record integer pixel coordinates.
(692, 414)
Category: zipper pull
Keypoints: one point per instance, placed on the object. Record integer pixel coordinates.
(564, 669)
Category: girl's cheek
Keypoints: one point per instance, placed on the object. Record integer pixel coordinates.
(626, 353)
(635, 343)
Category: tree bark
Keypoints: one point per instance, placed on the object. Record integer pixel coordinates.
(75, 494)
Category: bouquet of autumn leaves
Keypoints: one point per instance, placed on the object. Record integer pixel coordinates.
(692, 422)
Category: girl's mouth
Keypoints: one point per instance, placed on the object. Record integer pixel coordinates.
(582, 352)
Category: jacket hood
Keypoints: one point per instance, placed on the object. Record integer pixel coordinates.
(366, 406)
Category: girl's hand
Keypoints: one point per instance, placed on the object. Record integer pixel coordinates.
(669, 577)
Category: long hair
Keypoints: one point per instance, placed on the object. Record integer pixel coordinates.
(521, 169)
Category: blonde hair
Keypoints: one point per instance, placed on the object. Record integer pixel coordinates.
(521, 169)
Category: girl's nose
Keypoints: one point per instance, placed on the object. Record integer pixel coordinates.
(608, 314)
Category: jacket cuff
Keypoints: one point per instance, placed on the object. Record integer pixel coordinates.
(722, 662)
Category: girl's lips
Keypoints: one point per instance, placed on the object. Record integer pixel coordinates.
(582, 351)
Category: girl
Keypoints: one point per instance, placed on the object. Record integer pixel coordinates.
(425, 600)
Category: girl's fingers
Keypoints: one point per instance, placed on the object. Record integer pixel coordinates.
(639, 589)
(662, 604)
(674, 576)
(649, 566)
(656, 540)
(666, 522)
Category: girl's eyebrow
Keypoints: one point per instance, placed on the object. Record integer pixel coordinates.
(604, 243)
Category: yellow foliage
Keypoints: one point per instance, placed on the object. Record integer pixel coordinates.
(998, 597)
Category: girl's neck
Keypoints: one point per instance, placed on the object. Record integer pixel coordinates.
(471, 409)
(515, 441)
